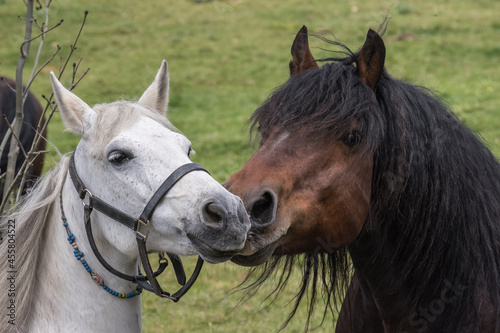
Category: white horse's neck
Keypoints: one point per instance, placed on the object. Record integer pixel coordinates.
(67, 299)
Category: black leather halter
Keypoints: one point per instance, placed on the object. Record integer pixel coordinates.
(141, 227)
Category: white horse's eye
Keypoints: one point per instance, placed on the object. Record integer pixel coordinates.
(118, 157)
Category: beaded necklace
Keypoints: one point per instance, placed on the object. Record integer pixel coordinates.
(80, 257)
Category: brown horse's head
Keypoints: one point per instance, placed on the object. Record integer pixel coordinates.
(307, 188)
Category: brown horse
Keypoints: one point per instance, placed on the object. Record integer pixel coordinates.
(383, 190)
(33, 112)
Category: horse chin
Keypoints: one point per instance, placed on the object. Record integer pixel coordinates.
(257, 258)
(208, 253)
(217, 259)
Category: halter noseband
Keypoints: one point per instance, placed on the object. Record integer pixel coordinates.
(141, 228)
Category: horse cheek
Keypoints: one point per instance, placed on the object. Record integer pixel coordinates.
(347, 204)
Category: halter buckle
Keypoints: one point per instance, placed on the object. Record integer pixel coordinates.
(142, 225)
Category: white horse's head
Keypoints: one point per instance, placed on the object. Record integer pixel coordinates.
(126, 152)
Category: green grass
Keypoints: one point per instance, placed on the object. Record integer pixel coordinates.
(224, 58)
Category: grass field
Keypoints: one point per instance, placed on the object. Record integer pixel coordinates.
(224, 59)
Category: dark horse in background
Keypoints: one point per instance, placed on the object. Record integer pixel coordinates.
(385, 192)
(33, 112)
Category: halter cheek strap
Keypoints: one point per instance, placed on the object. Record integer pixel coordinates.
(141, 228)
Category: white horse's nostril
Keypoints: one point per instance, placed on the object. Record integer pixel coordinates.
(214, 214)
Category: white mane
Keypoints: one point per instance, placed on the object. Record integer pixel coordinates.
(30, 218)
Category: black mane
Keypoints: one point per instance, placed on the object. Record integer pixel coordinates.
(435, 191)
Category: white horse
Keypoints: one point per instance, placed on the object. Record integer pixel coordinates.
(126, 152)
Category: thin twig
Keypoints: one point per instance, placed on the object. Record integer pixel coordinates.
(73, 85)
(8, 84)
(44, 30)
(58, 48)
(73, 46)
(15, 136)
(41, 34)
(6, 139)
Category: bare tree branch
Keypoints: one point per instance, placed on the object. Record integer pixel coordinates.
(14, 147)
(42, 125)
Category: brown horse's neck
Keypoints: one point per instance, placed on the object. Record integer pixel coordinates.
(373, 279)
(388, 297)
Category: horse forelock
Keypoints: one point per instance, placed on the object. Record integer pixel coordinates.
(323, 103)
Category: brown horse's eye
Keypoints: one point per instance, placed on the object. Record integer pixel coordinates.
(351, 139)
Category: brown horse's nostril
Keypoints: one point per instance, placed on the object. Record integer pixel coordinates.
(214, 214)
(263, 210)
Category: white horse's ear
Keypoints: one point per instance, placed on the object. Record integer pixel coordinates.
(156, 96)
(71, 107)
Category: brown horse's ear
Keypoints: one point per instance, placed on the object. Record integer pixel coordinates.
(371, 60)
(302, 56)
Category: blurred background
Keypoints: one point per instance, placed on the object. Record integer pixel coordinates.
(225, 57)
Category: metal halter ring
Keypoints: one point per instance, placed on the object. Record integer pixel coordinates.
(82, 196)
